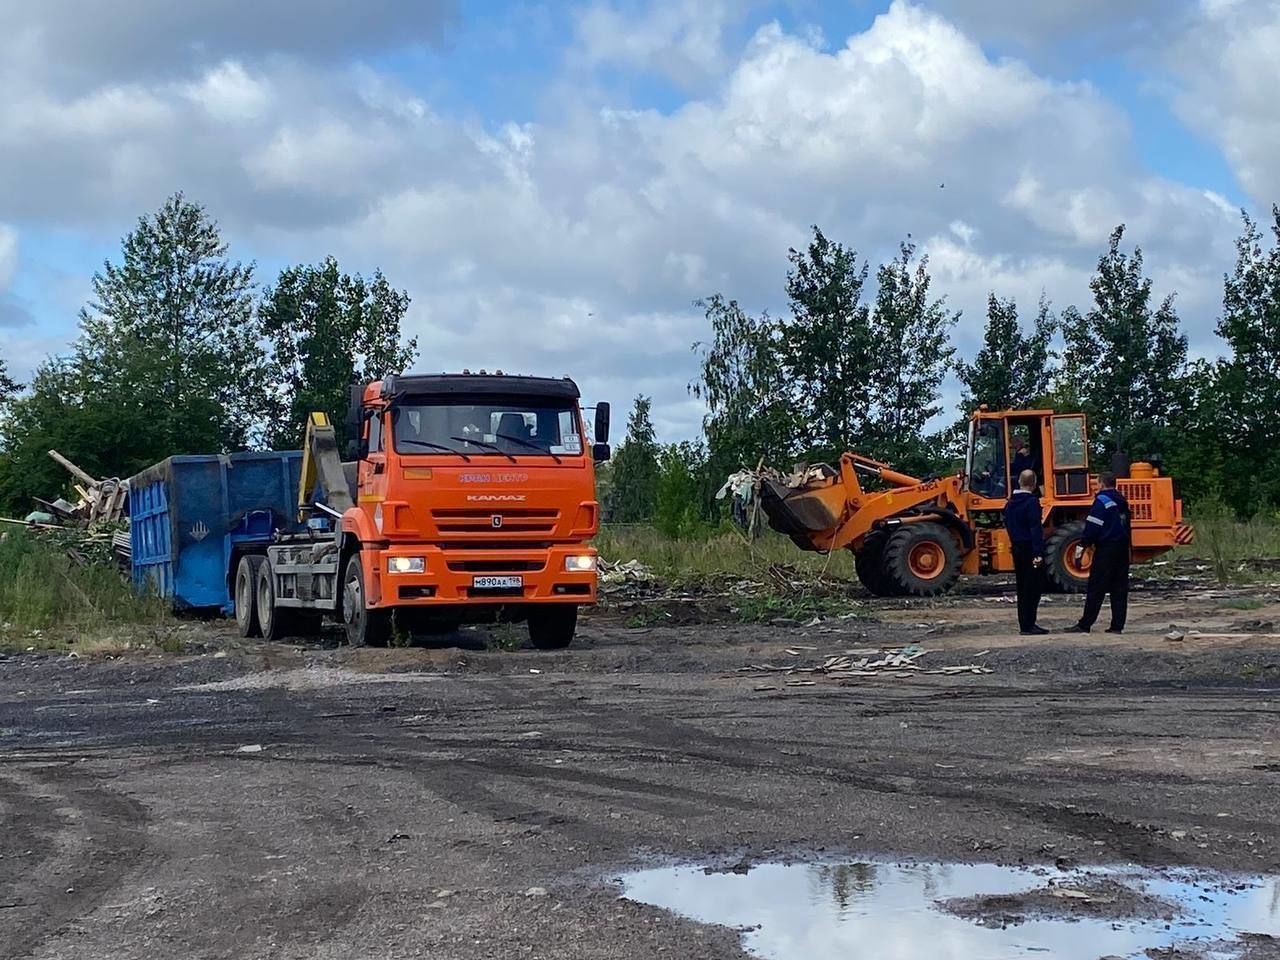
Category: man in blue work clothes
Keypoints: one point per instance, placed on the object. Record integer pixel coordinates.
(1107, 530)
(1024, 524)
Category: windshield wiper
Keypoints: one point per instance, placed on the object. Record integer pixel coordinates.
(527, 443)
(432, 446)
(485, 443)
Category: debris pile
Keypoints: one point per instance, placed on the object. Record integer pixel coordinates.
(95, 529)
(899, 663)
(100, 500)
(621, 572)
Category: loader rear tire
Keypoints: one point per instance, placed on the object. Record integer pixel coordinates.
(1061, 571)
(922, 559)
(869, 565)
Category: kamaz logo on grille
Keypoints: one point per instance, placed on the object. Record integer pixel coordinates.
(496, 497)
(496, 520)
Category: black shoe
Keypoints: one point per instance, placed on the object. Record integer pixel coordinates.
(1115, 629)
(1076, 628)
(1034, 632)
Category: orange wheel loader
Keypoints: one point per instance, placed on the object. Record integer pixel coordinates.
(913, 537)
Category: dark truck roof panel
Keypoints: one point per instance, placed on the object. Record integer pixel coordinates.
(479, 385)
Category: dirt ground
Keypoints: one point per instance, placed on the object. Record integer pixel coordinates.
(457, 801)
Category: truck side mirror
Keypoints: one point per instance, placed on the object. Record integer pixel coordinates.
(355, 411)
(358, 443)
(600, 452)
(602, 423)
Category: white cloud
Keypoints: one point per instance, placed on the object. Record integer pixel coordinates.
(1229, 71)
(681, 39)
(576, 243)
(8, 255)
(1094, 27)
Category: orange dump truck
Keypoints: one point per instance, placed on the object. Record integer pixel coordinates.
(467, 497)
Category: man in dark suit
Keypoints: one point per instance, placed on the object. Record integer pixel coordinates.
(1024, 523)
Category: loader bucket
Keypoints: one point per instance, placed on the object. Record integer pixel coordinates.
(802, 513)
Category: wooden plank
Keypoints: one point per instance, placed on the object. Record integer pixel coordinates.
(75, 471)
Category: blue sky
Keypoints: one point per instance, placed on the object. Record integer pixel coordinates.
(556, 183)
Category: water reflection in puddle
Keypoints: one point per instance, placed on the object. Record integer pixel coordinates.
(888, 910)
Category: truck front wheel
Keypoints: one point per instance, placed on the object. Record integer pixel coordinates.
(365, 627)
(552, 627)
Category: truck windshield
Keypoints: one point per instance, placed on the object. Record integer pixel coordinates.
(494, 427)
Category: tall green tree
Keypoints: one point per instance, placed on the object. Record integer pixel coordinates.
(1244, 403)
(1126, 358)
(743, 382)
(8, 386)
(173, 324)
(913, 353)
(327, 330)
(635, 468)
(830, 348)
(682, 492)
(167, 362)
(1013, 369)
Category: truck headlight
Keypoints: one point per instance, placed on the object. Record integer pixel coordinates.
(580, 564)
(407, 565)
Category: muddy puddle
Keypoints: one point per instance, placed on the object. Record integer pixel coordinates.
(941, 911)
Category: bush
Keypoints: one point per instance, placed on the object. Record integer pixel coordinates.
(1228, 543)
(42, 588)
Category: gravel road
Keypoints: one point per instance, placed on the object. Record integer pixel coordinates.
(455, 801)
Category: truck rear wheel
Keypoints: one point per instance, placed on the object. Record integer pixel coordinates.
(1061, 569)
(922, 559)
(552, 627)
(364, 627)
(277, 623)
(869, 565)
(246, 596)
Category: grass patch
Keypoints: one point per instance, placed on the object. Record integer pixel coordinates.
(1243, 603)
(1228, 545)
(47, 600)
(719, 552)
(798, 608)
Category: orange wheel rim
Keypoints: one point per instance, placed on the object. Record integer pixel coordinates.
(927, 560)
(1081, 567)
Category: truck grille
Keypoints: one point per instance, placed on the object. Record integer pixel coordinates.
(495, 566)
(498, 521)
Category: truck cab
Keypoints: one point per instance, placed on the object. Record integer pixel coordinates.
(466, 497)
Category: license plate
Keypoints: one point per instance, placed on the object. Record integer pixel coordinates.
(497, 583)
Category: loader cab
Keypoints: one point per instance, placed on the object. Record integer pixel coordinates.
(1002, 445)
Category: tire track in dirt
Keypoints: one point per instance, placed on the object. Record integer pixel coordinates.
(89, 838)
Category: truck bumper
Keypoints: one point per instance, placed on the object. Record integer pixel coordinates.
(458, 577)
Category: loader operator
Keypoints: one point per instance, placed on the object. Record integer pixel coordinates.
(1024, 523)
(1107, 530)
(1022, 458)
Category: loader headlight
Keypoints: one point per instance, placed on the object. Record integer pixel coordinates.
(579, 564)
(407, 565)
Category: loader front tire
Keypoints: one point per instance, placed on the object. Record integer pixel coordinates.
(922, 559)
(1061, 571)
(869, 565)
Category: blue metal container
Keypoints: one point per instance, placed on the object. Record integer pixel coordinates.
(188, 514)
